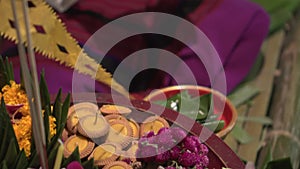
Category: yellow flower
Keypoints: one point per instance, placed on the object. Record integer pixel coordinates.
(14, 95)
(23, 132)
(52, 125)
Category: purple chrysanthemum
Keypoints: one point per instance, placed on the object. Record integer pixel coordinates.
(74, 165)
(203, 149)
(199, 166)
(165, 139)
(163, 130)
(192, 143)
(149, 134)
(170, 167)
(174, 152)
(178, 134)
(204, 160)
(163, 156)
(147, 153)
(187, 159)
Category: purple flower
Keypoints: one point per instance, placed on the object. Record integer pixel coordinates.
(198, 166)
(192, 143)
(178, 134)
(203, 149)
(146, 153)
(127, 160)
(164, 130)
(174, 152)
(163, 156)
(149, 134)
(187, 159)
(165, 139)
(143, 141)
(74, 165)
(204, 160)
(170, 167)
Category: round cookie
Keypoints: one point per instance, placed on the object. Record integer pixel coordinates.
(153, 123)
(85, 146)
(120, 132)
(114, 109)
(135, 128)
(78, 111)
(117, 165)
(105, 154)
(111, 117)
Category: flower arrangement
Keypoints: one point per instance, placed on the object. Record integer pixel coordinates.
(172, 148)
(17, 148)
(13, 95)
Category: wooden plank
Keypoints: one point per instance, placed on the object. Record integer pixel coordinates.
(284, 138)
(264, 82)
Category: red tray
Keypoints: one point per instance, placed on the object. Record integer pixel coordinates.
(220, 154)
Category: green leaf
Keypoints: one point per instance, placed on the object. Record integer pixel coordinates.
(34, 160)
(52, 155)
(73, 157)
(257, 119)
(88, 163)
(243, 94)
(21, 161)
(241, 135)
(215, 125)
(45, 98)
(3, 165)
(6, 72)
(57, 109)
(6, 131)
(11, 152)
(187, 105)
(281, 163)
(206, 102)
(64, 111)
(46, 123)
(9, 70)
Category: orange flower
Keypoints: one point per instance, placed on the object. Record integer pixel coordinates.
(14, 95)
(23, 132)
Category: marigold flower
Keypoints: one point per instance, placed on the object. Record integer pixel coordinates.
(23, 132)
(13, 94)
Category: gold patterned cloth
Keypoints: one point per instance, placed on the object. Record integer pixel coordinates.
(52, 40)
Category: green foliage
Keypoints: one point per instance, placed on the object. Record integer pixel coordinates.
(10, 154)
(280, 163)
(270, 163)
(7, 134)
(6, 72)
(243, 94)
(195, 107)
(45, 98)
(280, 11)
(241, 135)
(73, 157)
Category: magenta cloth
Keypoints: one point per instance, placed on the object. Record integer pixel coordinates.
(236, 28)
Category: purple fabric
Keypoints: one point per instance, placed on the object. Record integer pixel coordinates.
(236, 28)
